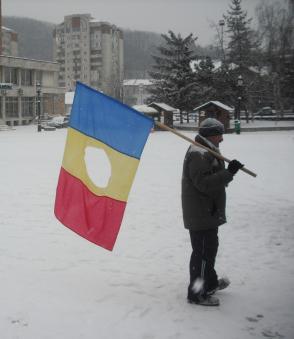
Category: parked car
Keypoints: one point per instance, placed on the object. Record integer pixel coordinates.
(58, 122)
(265, 111)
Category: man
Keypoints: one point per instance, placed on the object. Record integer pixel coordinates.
(203, 201)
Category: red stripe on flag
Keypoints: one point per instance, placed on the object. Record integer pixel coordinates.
(95, 218)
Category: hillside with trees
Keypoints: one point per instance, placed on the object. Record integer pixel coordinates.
(34, 37)
(35, 41)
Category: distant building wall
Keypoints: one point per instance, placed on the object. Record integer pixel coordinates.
(91, 52)
(135, 91)
(9, 42)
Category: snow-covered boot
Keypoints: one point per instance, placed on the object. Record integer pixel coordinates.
(222, 284)
(204, 301)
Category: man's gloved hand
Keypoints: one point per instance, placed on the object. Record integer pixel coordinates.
(234, 166)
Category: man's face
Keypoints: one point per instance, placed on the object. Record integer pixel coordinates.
(216, 139)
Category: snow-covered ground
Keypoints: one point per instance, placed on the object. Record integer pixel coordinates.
(57, 285)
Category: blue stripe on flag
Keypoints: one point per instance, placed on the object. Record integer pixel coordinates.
(109, 121)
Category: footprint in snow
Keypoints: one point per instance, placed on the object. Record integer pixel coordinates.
(255, 319)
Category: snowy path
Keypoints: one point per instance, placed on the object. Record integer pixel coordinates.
(56, 285)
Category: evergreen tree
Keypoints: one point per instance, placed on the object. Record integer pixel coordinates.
(242, 44)
(206, 79)
(225, 86)
(174, 81)
(242, 53)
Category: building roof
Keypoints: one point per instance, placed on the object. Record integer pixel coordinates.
(216, 103)
(145, 109)
(8, 29)
(15, 61)
(163, 106)
(137, 82)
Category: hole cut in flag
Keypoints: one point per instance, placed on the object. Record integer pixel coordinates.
(99, 123)
(98, 166)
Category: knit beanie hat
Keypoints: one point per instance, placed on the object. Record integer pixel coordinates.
(210, 127)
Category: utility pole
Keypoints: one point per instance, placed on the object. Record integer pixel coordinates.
(38, 88)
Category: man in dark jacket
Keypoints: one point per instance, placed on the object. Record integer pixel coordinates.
(204, 201)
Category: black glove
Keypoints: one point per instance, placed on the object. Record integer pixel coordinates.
(234, 166)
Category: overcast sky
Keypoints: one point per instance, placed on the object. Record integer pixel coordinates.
(181, 16)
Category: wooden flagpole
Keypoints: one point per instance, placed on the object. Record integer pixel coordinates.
(191, 141)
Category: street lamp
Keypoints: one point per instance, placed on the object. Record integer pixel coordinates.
(240, 83)
(222, 24)
(38, 89)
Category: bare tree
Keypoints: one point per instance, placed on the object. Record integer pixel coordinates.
(277, 34)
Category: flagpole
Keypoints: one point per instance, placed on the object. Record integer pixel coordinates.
(191, 141)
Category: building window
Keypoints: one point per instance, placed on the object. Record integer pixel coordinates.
(10, 75)
(96, 59)
(39, 77)
(11, 107)
(27, 106)
(26, 77)
(76, 24)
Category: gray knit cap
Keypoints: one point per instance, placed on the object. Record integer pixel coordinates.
(210, 127)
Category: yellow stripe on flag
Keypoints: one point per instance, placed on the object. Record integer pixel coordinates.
(123, 167)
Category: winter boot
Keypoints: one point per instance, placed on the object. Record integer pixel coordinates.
(222, 284)
(203, 300)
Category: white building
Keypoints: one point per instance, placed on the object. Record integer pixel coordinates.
(136, 91)
(18, 104)
(89, 51)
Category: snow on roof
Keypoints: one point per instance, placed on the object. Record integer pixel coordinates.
(262, 71)
(137, 82)
(217, 103)
(163, 106)
(8, 29)
(216, 63)
(69, 96)
(96, 21)
(145, 109)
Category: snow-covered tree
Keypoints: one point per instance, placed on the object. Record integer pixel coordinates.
(205, 76)
(174, 80)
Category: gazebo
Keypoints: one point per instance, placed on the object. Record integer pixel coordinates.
(217, 110)
(152, 112)
(165, 110)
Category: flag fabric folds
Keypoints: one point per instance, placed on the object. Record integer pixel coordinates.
(99, 121)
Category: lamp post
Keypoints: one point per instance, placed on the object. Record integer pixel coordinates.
(240, 83)
(222, 24)
(38, 89)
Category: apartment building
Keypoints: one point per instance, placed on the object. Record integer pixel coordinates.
(9, 42)
(90, 51)
(18, 91)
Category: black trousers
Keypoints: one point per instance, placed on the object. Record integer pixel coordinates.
(205, 246)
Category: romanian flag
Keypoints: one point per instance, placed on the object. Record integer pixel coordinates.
(101, 123)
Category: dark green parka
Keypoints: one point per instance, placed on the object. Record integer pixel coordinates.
(203, 188)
